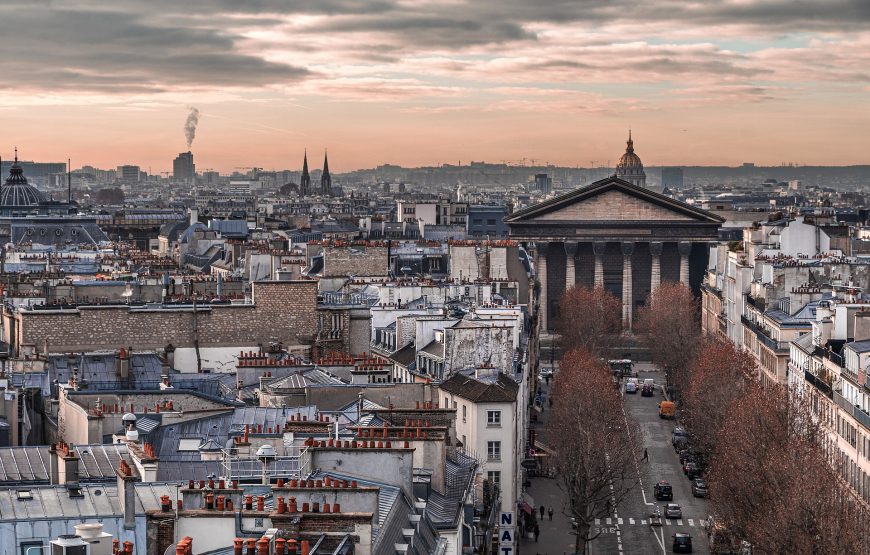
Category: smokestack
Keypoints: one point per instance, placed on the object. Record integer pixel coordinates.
(190, 126)
(68, 181)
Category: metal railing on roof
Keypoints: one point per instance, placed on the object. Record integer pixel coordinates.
(291, 462)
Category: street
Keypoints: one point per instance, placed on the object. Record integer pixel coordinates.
(628, 530)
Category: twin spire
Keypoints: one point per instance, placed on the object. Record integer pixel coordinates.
(325, 178)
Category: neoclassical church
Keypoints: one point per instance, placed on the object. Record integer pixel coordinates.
(617, 234)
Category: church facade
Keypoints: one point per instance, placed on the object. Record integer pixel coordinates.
(615, 234)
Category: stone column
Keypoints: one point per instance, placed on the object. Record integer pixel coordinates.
(570, 270)
(598, 248)
(542, 279)
(655, 250)
(627, 298)
(685, 248)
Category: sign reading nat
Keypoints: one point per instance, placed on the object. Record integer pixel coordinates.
(507, 518)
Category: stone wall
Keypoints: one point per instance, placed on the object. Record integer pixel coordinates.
(355, 260)
(282, 311)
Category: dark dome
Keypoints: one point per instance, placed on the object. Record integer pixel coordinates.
(17, 191)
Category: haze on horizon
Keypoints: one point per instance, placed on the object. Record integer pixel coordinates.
(436, 81)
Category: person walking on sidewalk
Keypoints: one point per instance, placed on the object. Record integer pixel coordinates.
(645, 456)
(550, 513)
(543, 510)
(537, 533)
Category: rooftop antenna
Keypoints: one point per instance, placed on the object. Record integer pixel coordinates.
(68, 181)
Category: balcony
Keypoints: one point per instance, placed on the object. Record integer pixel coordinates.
(781, 347)
(818, 383)
(862, 417)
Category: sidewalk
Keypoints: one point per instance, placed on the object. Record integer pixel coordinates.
(556, 537)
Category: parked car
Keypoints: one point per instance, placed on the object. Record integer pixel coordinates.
(544, 372)
(692, 470)
(672, 510)
(646, 390)
(663, 491)
(699, 487)
(682, 543)
(686, 455)
(630, 387)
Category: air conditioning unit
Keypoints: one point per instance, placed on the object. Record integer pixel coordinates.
(69, 544)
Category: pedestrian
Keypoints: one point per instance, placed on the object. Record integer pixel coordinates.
(537, 533)
(550, 513)
(645, 456)
(550, 401)
(543, 510)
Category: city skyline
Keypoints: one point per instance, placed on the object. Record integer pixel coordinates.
(437, 82)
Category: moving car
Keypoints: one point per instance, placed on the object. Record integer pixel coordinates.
(682, 543)
(649, 381)
(667, 409)
(630, 387)
(672, 510)
(646, 390)
(663, 491)
(699, 487)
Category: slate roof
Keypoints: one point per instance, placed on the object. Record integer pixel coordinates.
(502, 390)
(31, 465)
(405, 356)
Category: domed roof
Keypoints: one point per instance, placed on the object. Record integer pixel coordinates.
(629, 163)
(17, 191)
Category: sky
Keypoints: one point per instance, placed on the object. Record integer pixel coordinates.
(429, 82)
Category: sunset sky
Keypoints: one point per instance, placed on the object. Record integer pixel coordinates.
(425, 82)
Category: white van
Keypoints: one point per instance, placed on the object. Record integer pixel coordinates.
(631, 387)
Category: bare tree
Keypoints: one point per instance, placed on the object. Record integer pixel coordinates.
(669, 326)
(589, 319)
(719, 376)
(597, 447)
(771, 482)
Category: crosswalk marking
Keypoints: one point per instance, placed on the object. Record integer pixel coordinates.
(680, 522)
(619, 521)
(643, 522)
(597, 522)
(691, 522)
(608, 521)
(631, 521)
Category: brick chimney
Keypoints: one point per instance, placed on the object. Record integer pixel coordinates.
(64, 464)
(127, 479)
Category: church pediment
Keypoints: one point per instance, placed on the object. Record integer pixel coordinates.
(612, 200)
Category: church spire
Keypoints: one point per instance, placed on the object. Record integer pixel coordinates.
(305, 180)
(325, 178)
(630, 143)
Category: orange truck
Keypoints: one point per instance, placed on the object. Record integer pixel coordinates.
(667, 409)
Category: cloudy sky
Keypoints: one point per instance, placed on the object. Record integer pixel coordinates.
(420, 82)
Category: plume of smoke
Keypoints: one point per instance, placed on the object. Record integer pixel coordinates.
(190, 126)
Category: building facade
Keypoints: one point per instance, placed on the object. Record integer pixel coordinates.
(617, 235)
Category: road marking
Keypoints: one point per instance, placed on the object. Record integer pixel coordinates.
(631, 521)
(597, 521)
(643, 522)
(619, 521)
(607, 521)
(680, 522)
(691, 522)
(618, 533)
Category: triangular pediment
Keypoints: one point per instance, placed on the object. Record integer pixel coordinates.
(612, 200)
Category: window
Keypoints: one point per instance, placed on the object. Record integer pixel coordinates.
(493, 450)
(493, 418)
(189, 444)
(490, 222)
(32, 548)
(464, 412)
(494, 477)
